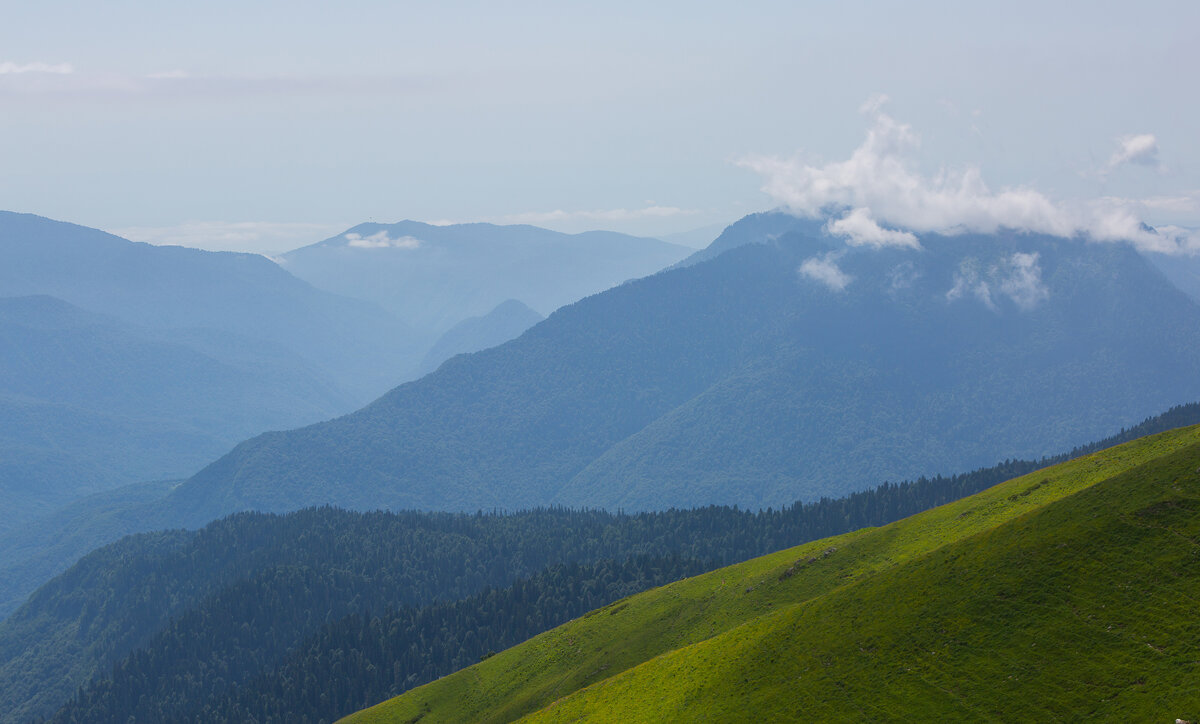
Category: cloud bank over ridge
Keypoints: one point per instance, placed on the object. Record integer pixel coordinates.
(877, 198)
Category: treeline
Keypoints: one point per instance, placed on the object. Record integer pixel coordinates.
(192, 619)
(362, 659)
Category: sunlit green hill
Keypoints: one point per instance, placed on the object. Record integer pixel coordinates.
(1066, 594)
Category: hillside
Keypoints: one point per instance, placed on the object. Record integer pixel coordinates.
(433, 277)
(362, 349)
(31, 555)
(507, 321)
(761, 228)
(1184, 272)
(89, 403)
(240, 593)
(225, 623)
(739, 380)
(1062, 594)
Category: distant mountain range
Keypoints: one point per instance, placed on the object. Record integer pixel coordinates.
(433, 277)
(795, 367)
(318, 353)
(88, 402)
(360, 348)
(123, 362)
(775, 365)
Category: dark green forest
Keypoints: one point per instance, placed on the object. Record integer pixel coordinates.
(238, 620)
(362, 658)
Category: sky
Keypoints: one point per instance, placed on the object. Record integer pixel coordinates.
(269, 125)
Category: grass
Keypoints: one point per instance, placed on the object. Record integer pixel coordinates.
(1067, 593)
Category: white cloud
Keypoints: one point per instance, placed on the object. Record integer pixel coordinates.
(880, 178)
(1017, 277)
(824, 269)
(10, 68)
(875, 103)
(1181, 240)
(381, 240)
(861, 230)
(903, 276)
(968, 280)
(260, 237)
(1141, 149)
(1021, 280)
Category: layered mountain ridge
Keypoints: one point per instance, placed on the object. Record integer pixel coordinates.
(361, 348)
(507, 321)
(433, 277)
(88, 403)
(791, 368)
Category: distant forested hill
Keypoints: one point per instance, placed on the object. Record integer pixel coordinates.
(433, 277)
(507, 321)
(792, 368)
(362, 349)
(88, 403)
(123, 362)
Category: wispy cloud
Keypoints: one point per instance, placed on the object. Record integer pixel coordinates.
(859, 229)
(10, 68)
(969, 281)
(879, 185)
(1021, 280)
(1017, 278)
(169, 75)
(1141, 149)
(1185, 202)
(824, 269)
(259, 237)
(381, 240)
(63, 80)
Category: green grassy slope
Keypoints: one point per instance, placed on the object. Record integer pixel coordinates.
(1070, 592)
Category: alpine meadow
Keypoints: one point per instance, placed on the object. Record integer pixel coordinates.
(400, 362)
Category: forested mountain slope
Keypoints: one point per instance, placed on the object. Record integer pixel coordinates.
(221, 624)
(32, 554)
(761, 228)
(1063, 594)
(88, 403)
(507, 321)
(748, 379)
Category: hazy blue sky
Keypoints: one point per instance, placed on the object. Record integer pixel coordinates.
(266, 125)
